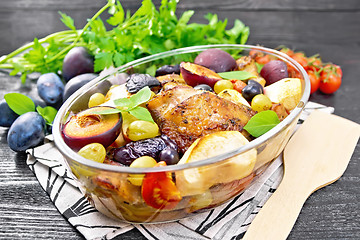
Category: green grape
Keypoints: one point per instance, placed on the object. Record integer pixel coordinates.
(200, 201)
(93, 151)
(96, 99)
(261, 103)
(141, 162)
(222, 85)
(140, 129)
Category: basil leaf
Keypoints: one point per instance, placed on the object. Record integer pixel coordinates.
(48, 113)
(19, 103)
(107, 111)
(261, 123)
(142, 96)
(238, 75)
(123, 103)
(141, 113)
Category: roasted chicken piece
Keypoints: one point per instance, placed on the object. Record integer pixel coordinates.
(247, 63)
(188, 114)
(169, 98)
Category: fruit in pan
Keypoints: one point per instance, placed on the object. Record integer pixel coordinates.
(286, 91)
(216, 59)
(234, 96)
(88, 127)
(198, 180)
(194, 74)
(274, 71)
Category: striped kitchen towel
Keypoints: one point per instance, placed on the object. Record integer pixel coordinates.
(228, 221)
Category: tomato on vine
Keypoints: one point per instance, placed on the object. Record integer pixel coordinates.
(330, 78)
(314, 81)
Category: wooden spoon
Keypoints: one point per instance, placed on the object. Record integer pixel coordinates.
(316, 155)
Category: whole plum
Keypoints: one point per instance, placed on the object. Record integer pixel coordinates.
(77, 82)
(167, 69)
(7, 116)
(26, 131)
(50, 88)
(274, 71)
(77, 61)
(216, 60)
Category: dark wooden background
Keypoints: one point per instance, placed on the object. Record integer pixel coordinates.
(328, 27)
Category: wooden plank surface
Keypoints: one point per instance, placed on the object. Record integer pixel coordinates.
(330, 28)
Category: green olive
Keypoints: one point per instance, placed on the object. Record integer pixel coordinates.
(96, 99)
(141, 162)
(140, 129)
(261, 102)
(222, 85)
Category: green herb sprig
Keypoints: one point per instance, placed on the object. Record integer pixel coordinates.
(147, 31)
(238, 75)
(132, 105)
(21, 104)
(262, 122)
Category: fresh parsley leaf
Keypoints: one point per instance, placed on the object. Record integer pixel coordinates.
(68, 21)
(238, 75)
(48, 113)
(261, 123)
(19, 103)
(141, 113)
(103, 60)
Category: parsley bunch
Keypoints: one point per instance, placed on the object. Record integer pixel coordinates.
(147, 31)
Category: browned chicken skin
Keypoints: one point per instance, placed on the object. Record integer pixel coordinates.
(185, 114)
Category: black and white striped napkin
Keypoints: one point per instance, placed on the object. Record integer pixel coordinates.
(228, 221)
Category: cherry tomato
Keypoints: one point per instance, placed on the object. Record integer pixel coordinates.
(330, 78)
(287, 51)
(314, 63)
(239, 85)
(314, 81)
(159, 191)
(259, 57)
(300, 58)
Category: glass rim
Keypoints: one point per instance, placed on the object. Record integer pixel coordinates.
(67, 152)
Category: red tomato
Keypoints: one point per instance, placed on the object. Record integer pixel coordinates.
(314, 81)
(330, 78)
(287, 51)
(239, 85)
(300, 58)
(159, 191)
(314, 63)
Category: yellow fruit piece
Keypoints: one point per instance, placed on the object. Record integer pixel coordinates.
(96, 99)
(141, 162)
(234, 96)
(199, 180)
(286, 91)
(118, 91)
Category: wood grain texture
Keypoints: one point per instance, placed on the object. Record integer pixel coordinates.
(330, 28)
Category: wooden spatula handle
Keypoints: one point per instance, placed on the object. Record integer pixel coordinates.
(277, 217)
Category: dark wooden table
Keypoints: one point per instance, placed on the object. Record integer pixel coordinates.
(331, 28)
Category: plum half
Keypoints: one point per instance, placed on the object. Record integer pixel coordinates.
(90, 127)
(195, 74)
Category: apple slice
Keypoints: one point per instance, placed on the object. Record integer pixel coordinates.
(194, 74)
(286, 91)
(234, 96)
(89, 127)
(198, 180)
